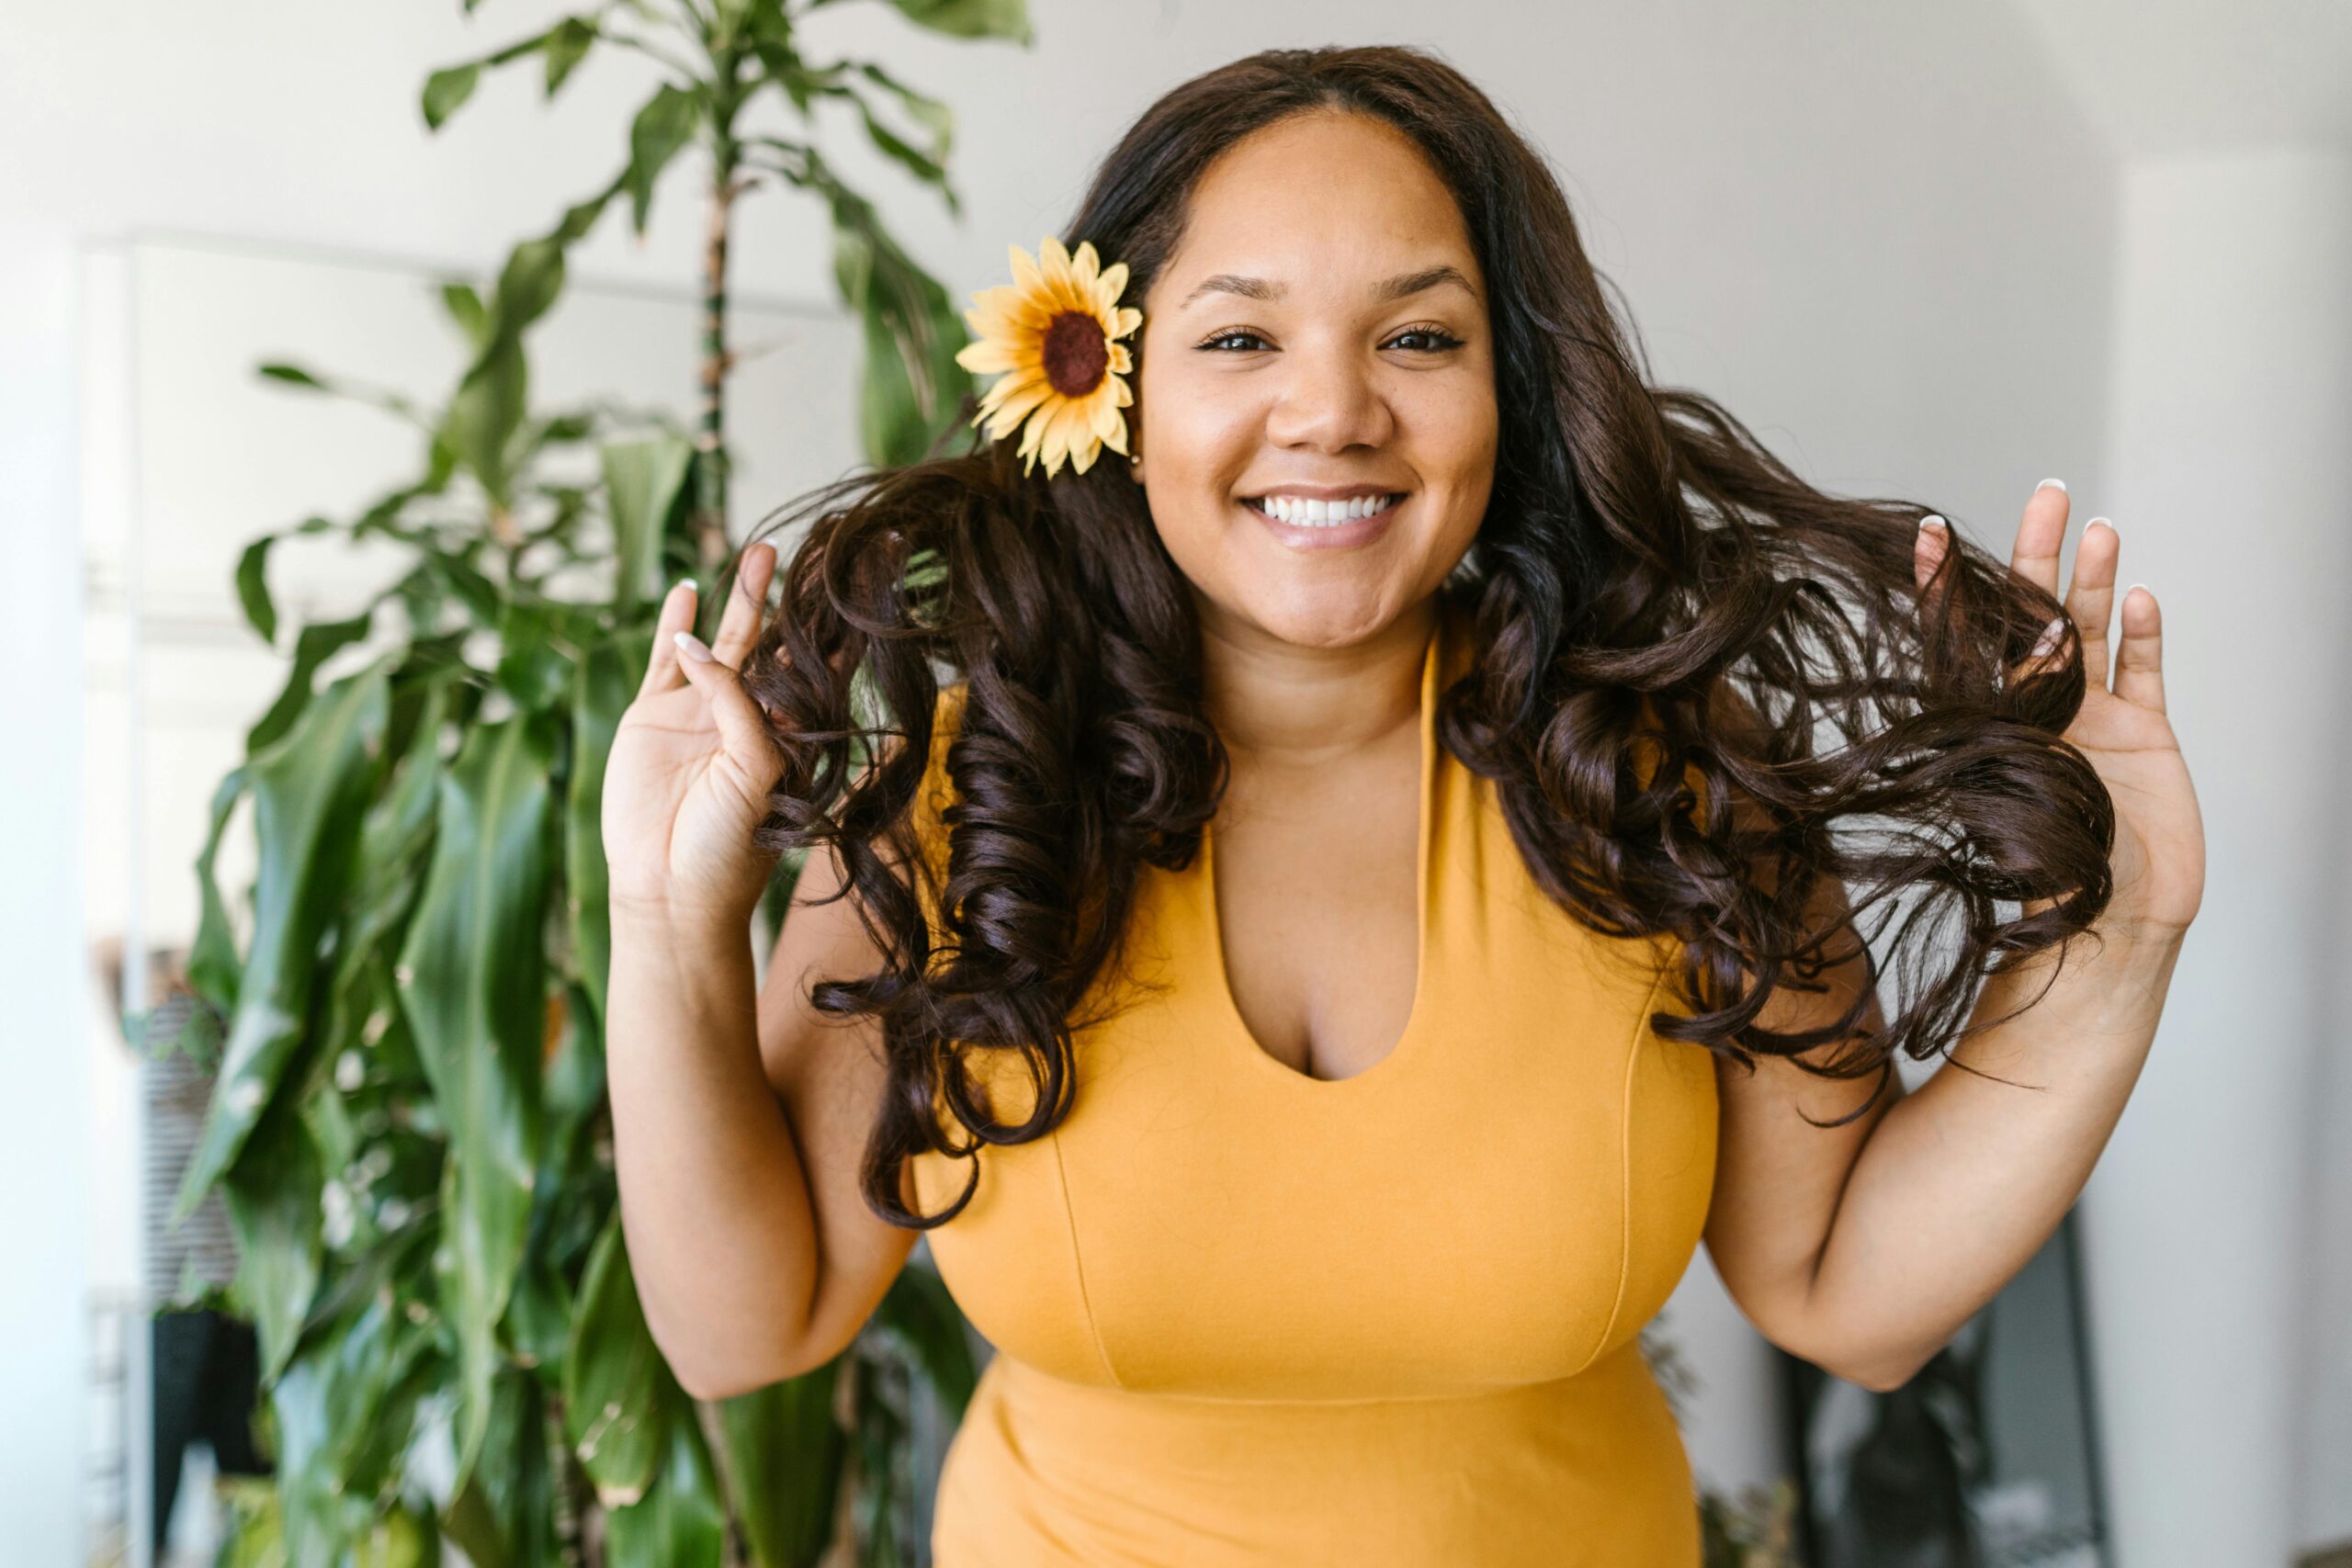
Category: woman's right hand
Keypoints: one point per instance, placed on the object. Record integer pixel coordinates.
(690, 768)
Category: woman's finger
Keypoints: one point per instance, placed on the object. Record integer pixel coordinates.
(661, 671)
(2090, 598)
(747, 603)
(2040, 533)
(742, 731)
(1927, 547)
(2138, 657)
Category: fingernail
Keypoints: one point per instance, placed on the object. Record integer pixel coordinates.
(2127, 592)
(692, 646)
(2049, 639)
(1934, 521)
(2109, 522)
(2047, 483)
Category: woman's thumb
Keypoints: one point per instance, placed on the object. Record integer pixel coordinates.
(742, 728)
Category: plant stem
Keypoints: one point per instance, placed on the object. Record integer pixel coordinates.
(710, 439)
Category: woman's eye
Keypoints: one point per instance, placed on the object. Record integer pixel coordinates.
(1437, 340)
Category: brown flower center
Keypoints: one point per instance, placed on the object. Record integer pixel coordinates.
(1075, 353)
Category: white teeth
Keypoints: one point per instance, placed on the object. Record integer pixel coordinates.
(1320, 513)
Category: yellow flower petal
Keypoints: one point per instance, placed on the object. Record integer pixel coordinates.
(1026, 279)
(1085, 266)
(988, 355)
(1107, 287)
(1061, 434)
(1020, 403)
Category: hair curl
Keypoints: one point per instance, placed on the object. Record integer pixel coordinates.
(1648, 582)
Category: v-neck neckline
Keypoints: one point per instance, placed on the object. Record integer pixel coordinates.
(1220, 981)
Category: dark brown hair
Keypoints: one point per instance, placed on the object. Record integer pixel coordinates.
(1649, 585)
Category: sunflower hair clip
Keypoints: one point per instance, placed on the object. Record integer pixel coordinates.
(1055, 333)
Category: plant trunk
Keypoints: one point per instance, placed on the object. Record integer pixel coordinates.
(710, 438)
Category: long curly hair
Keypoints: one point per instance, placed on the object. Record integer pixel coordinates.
(1701, 685)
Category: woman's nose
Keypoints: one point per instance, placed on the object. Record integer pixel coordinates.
(1329, 400)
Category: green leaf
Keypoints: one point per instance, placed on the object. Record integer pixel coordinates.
(484, 414)
(663, 127)
(930, 113)
(310, 793)
(911, 388)
(465, 308)
(915, 163)
(603, 686)
(402, 1538)
(293, 376)
(253, 588)
(447, 91)
(298, 1402)
(271, 1198)
(531, 668)
(476, 593)
(971, 18)
(367, 1360)
(313, 645)
(473, 986)
(529, 283)
(567, 45)
(785, 1454)
(612, 1377)
(213, 964)
(501, 1515)
(575, 1096)
(538, 1318)
(643, 481)
(682, 1522)
(255, 1537)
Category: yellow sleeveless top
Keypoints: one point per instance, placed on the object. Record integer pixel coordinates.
(1243, 1316)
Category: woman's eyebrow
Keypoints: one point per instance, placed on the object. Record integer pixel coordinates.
(1402, 286)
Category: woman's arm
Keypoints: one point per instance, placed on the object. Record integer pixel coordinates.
(739, 1121)
(1865, 1250)
(713, 1200)
(1961, 1183)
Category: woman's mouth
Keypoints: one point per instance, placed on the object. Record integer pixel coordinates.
(1325, 524)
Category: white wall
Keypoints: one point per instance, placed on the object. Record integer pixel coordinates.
(1885, 237)
(44, 973)
(2225, 1313)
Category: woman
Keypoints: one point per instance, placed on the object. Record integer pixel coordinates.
(1275, 970)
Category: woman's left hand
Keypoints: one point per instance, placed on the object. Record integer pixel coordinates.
(2159, 852)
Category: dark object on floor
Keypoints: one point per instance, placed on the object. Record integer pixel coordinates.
(207, 1371)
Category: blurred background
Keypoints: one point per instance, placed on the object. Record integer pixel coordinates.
(1934, 252)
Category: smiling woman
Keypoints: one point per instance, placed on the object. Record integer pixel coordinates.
(1366, 902)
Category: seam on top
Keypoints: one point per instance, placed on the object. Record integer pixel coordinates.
(1078, 1265)
(1625, 1173)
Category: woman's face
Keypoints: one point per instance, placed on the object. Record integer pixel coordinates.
(1322, 326)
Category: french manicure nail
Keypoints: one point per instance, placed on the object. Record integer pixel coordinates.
(684, 582)
(2046, 484)
(2049, 639)
(1934, 520)
(694, 646)
(2109, 522)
